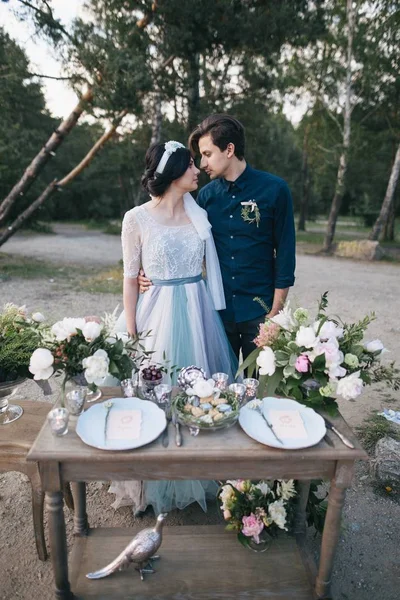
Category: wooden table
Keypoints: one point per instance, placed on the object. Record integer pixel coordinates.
(197, 562)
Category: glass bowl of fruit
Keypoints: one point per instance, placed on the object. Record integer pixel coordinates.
(150, 377)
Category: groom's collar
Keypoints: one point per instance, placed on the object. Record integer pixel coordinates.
(239, 182)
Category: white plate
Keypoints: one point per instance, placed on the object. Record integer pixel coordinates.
(90, 425)
(255, 426)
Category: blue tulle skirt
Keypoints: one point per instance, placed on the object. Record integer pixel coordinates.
(185, 330)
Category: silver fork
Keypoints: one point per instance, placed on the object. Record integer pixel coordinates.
(168, 416)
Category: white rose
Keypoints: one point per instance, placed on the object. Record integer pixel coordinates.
(96, 367)
(266, 361)
(91, 331)
(202, 388)
(277, 512)
(285, 318)
(374, 346)
(329, 330)
(40, 364)
(38, 317)
(65, 329)
(350, 387)
(306, 337)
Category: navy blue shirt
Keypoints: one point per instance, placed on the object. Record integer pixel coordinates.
(254, 260)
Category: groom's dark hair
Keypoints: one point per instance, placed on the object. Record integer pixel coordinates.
(224, 130)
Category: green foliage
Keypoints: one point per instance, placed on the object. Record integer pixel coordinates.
(18, 339)
(374, 428)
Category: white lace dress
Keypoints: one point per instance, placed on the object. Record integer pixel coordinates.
(185, 328)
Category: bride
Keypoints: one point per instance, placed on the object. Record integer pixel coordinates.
(170, 237)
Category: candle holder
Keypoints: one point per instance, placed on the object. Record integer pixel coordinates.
(239, 390)
(75, 399)
(129, 387)
(221, 381)
(163, 394)
(9, 412)
(251, 388)
(58, 420)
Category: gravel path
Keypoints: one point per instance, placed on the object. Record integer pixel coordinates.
(367, 563)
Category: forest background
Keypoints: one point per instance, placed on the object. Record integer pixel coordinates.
(151, 70)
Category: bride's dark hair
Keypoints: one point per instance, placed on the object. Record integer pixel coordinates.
(157, 184)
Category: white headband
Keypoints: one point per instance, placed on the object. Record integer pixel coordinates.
(170, 148)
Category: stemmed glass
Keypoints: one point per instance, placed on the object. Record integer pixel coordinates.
(9, 412)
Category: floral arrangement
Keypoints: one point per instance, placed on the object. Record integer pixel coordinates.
(254, 510)
(19, 337)
(294, 350)
(204, 406)
(89, 347)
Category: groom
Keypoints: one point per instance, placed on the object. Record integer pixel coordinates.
(251, 214)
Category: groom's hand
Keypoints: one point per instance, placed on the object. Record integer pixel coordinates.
(144, 283)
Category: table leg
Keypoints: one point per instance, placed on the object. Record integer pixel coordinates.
(300, 524)
(81, 525)
(330, 536)
(58, 544)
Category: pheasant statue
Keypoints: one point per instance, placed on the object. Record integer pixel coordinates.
(140, 551)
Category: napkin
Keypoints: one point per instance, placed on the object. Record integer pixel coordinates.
(124, 424)
(287, 424)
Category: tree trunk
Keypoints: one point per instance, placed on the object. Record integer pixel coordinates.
(343, 161)
(194, 92)
(9, 231)
(389, 235)
(301, 226)
(44, 156)
(388, 200)
(156, 120)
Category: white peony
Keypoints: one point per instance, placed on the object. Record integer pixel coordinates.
(65, 329)
(329, 330)
(38, 317)
(40, 364)
(277, 512)
(226, 495)
(350, 387)
(375, 346)
(96, 367)
(91, 331)
(266, 361)
(202, 388)
(306, 337)
(285, 318)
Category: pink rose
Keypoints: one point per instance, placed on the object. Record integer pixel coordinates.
(227, 514)
(252, 527)
(302, 363)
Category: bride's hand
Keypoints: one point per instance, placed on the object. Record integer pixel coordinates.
(144, 283)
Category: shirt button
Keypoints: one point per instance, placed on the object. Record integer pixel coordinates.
(233, 277)
(233, 197)
(233, 295)
(231, 237)
(231, 216)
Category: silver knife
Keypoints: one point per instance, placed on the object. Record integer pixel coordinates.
(178, 437)
(344, 439)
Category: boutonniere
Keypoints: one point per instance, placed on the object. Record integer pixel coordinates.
(250, 212)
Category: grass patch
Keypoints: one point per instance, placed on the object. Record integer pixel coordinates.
(113, 229)
(373, 429)
(108, 281)
(31, 268)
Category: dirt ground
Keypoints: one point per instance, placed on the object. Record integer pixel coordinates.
(368, 558)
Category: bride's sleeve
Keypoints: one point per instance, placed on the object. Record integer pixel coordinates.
(131, 245)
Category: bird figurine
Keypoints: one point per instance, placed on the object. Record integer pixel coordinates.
(140, 551)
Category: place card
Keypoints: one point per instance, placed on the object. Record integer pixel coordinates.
(287, 424)
(124, 424)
